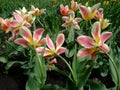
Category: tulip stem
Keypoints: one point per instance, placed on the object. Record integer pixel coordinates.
(74, 76)
(116, 70)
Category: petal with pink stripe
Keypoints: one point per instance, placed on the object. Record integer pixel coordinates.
(18, 17)
(85, 41)
(21, 41)
(60, 40)
(105, 36)
(26, 34)
(38, 34)
(49, 43)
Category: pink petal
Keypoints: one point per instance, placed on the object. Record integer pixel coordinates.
(27, 25)
(105, 36)
(85, 41)
(65, 18)
(38, 34)
(40, 50)
(93, 55)
(60, 40)
(26, 34)
(96, 31)
(21, 41)
(41, 42)
(14, 23)
(61, 50)
(83, 52)
(76, 20)
(84, 12)
(18, 17)
(105, 48)
(14, 35)
(49, 43)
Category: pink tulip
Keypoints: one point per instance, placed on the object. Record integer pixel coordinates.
(71, 20)
(88, 13)
(27, 38)
(51, 51)
(64, 10)
(95, 44)
(74, 5)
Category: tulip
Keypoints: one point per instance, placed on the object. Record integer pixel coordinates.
(52, 51)
(88, 13)
(27, 38)
(95, 44)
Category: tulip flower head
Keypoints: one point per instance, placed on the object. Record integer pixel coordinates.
(5, 24)
(36, 11)
(51, 51)
(88, 13)
(27, 38)
(74, 5)
(69, 21)
(64, 10)
(95, 44)
(104, 23)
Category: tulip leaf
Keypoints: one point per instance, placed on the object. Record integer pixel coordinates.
(3, 60)
(84, 71)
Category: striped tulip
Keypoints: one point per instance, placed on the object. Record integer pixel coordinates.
(51, 51)
(64, 10)
(88, 13)
(27, 38)
(71, 20)
(95, 44)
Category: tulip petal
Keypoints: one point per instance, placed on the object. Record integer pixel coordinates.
(14, 35)
(41, 42)
(61, 50)
(38, 34)
(65, 18)
(105, 48)
(95, 7)
(84, 52)
(96, 32)
(48, 53)
(85, 41)
(14, 23)
(84, 12)
(26, 34)
(59, 41)
(76, 20)
(105, 36)
(49, 43)
(22, 42)
(18, 17)
(39, 50)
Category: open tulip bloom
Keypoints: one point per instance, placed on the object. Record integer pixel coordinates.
(71, 20)
(51, 51)
(95, 44)
(88, 13)
(27, 38)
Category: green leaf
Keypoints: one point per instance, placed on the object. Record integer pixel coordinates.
(32, 83)
(3, 60)
(96, 85)
(84, 71)
(11, 63)
(52, 87)
(40, 70)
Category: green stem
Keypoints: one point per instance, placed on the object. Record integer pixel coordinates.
(41, 68)
(116, 70)
(74, 76)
